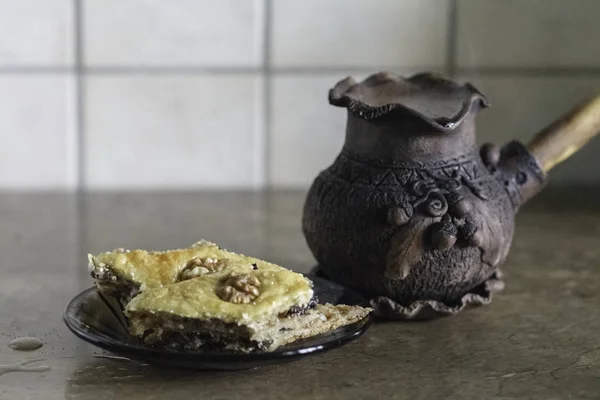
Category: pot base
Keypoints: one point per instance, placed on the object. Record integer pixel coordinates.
(386, 308)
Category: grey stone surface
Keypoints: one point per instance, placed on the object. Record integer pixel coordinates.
(539, 339)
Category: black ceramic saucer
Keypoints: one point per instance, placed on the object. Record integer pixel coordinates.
(99, 321)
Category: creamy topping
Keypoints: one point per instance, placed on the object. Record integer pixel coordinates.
(152, 269)
(197, 298)
(273, 289)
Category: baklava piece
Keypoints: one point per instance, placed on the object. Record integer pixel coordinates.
(207, 297)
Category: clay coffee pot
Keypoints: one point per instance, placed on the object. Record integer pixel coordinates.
(411, 212)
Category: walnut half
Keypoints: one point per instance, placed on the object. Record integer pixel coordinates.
(199, 266)
(239, 289)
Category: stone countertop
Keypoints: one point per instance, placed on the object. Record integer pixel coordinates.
(539, 339)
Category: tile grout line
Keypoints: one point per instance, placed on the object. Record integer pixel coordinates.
(316, 70)
(267, 95)
(36, 69)
(452, 39)
(79, 83)
(533, 72)
(81, 240)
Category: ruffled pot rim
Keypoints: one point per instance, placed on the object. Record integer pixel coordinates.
(343, 95)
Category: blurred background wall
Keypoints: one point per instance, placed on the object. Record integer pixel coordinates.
(195, 94)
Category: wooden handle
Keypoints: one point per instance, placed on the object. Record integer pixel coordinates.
(568, 134)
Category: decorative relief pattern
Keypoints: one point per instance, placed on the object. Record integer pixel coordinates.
(356, 170)
(435, 214)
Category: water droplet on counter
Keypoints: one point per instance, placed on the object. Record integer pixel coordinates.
(120, 378)
(114, 358)
(26, 343)
(22, 366)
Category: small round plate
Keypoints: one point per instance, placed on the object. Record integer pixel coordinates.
(99, 320)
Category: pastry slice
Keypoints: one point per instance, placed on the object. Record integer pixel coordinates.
(239, 308)
(123, 273)
(204, 296)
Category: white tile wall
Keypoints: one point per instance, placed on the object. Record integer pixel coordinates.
(36, 33)
(522, 106)
(37, 132)
(307, 132)
(183, 94)
(179, 33)
(519, 33)
(174, 131)
(344, 33)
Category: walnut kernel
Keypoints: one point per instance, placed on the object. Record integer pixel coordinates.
(239, 289)
(203, 242)
(202, 265)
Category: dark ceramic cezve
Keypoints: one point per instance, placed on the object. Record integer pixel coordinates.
(412, 212)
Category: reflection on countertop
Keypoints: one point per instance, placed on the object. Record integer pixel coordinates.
(538, 339)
